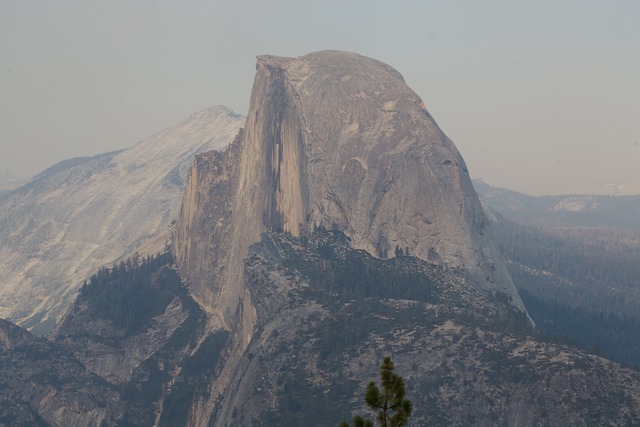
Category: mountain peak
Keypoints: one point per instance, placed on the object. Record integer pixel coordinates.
(330, 59)
(357, 149)
(336, 140)
(83, 213)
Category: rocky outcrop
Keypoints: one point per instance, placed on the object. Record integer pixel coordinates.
(334, 140)
(116, 357)
(12, 336)
(345, 142)
(294, 281)
(44, 385)
(466, 358)
(81, 214)
(136, 327)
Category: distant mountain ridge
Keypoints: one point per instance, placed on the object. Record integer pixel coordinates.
(576, 261)
(569, 210)
(83, 213)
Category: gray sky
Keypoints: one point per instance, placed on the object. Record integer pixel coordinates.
(539, 96)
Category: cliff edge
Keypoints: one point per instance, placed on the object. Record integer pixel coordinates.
(338, 140)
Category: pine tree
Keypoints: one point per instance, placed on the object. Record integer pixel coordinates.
(392, 409)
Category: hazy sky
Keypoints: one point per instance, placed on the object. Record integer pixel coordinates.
(539, 96)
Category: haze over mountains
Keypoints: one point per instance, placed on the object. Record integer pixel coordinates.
(84, 213)
(338, 141)
(339, 226)
(6, 176)
(571, 210)
(617, 188)
(8, 181)
(576, 261)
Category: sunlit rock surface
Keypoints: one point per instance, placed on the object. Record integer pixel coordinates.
(84, 213)
(337, 140)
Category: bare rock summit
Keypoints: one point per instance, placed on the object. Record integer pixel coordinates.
(339, 140)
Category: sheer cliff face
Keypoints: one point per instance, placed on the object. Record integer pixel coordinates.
(338, 140)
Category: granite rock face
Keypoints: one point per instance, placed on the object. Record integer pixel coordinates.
(326, 315)
(81, 214)
(292, 281)
(333, 140)
(338, 140)
(44, 385)
(467, 358)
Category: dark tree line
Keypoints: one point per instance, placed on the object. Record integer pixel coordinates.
(616, 336)
(356, 274)
(577, 256)
(133, 291)
(580, 285)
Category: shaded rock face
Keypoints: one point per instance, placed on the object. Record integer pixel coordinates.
(81, 214)
(117, 357)
(467, 358)
(326, 315)
(12, 336)
(333, 140)
(338, 140)
(44, 385)
(136, 327)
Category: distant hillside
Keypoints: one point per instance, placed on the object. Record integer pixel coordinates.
(83, 213)
(576, 263)
(567, 210)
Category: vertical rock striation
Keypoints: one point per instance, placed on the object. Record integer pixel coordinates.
(338, 140)
(334, 139)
